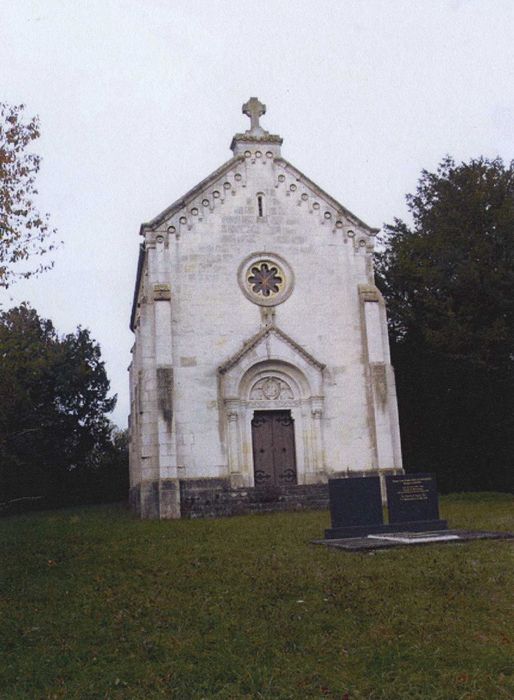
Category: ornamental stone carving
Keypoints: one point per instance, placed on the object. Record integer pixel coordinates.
(271, 389)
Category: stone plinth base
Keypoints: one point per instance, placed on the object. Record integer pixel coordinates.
(214, 498)
(154, 500)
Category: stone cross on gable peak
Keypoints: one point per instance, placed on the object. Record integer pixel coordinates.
(254, 109)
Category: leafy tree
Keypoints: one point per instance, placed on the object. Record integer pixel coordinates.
(106, 474)
(53, 405)
(24, 232)
(448, 279)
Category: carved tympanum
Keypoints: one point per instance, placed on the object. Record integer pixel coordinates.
(271, 389)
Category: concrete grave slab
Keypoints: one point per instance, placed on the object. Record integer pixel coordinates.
(372, 543)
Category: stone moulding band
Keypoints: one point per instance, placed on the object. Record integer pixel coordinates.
(250, 344)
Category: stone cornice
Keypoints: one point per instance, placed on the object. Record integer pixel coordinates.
(257, 138)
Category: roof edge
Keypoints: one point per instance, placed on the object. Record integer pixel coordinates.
(333, 202)
(191, 194)
(140, 264)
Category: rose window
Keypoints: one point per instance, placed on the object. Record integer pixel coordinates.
(265, 279)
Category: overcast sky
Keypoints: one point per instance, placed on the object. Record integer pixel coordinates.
(139, 100)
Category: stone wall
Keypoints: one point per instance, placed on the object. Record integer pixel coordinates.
(204, 498)
(214, 498)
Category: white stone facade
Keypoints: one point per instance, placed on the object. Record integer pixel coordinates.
(255, 292)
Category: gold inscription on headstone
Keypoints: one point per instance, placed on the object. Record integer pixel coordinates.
(414, 489)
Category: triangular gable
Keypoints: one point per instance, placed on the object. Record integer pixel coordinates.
(290, 169)
(249, 345)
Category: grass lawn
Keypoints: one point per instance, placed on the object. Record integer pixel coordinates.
(96, 604)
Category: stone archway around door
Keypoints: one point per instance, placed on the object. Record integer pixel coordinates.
(272, 372)
(273, 386)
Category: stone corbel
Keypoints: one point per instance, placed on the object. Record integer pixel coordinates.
(370, 293)
(161, 292)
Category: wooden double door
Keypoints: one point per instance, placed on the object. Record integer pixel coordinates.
(274, 456)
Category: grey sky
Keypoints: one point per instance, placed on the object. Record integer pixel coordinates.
(139, 100)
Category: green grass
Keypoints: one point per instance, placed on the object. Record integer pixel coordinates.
(96, 604)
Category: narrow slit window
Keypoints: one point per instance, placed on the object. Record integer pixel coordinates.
(260, 205)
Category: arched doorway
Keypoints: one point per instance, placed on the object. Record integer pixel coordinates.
(273, 384)
(273, 425)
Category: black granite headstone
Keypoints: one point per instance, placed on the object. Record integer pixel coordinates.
(355, 506)
(412, 498)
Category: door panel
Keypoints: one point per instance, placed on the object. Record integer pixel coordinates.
(262, 439)
(273, 448)
(283, 448)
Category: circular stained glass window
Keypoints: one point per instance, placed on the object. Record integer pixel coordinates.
(266, 279)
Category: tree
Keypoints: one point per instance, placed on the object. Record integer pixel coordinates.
(24, 232)
(53, 405)
(106, 476)
(448, 280)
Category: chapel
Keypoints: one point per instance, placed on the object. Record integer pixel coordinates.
(260, 366)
